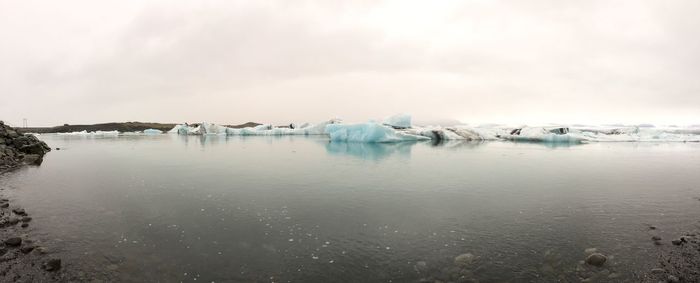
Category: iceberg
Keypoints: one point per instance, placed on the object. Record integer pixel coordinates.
(368, 132)
(542, 134)
(398, 128)
(152, 132)
(95, 133)
(400, 121)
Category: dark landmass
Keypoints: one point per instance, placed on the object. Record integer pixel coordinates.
(117, 126)
(121, 127)
(245, 125)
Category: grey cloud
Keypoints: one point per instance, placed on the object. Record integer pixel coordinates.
(519, 61)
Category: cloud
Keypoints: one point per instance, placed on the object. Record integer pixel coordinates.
(480, 61)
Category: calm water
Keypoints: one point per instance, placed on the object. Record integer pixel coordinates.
(301, 209)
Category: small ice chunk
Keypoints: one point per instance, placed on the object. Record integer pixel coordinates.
(152, 132)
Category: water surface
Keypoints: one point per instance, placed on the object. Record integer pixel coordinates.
(300, 209)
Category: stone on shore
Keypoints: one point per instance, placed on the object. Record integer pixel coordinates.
(596, 259)
(464, 260)
(13, 242)
(26, 249)
(19, 211)
(52, 264)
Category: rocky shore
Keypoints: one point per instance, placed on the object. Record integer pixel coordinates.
(21, 258)
(679, 259)
(17, 148)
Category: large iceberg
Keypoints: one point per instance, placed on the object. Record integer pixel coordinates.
(368, 132)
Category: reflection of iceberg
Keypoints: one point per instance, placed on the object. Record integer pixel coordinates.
(369, 151)
(368, 132)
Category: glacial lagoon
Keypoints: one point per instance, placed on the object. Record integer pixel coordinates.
(169, 208)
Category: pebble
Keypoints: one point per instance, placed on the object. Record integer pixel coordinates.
(26, 249)
(19, 211)
(656, 238)
(596, 259)
(25, 225)
(464, 260)
(676, 242)
(673, 279)
(52, 264)
(658, 270)
(14, 241)
(26, 219)
(41, 250)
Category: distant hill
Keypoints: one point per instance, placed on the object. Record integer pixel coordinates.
(122, 127)
(117, 126)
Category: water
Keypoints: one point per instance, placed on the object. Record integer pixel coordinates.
(300, 209)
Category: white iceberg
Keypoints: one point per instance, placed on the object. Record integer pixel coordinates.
(399, 128)
(95, 133)
(368, 132)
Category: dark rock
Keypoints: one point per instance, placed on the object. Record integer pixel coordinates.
(656, 238)
(4, 205)
(19, 211)
(33, 159)
(677, 242)
(52, 264)
(25, 225)
(596, 259)
(13, 242)
(652, 227)
(58, 148)
(26, 249)
(26, 219)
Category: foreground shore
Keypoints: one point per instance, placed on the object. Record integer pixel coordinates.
(22, 259)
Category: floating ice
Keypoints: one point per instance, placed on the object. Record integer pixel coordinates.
(398, 128)
(369, 132)
(95, 133)
(152, 132)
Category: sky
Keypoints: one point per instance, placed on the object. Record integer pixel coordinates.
(229, 62)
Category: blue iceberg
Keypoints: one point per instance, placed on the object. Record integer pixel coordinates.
(368, 132)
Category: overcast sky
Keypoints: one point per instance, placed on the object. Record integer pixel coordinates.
(281, 61)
